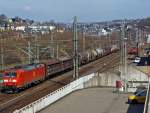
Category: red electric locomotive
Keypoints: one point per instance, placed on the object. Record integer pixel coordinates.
(18, 78)
(133, 50)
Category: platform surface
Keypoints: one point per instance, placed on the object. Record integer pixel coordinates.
(94, 100)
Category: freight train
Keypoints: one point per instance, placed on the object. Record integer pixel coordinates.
(21, 77)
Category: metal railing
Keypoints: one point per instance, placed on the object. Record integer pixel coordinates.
(56, 95)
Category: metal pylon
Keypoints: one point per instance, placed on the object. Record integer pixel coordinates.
(75, 50)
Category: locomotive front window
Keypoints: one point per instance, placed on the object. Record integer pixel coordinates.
(11, 74)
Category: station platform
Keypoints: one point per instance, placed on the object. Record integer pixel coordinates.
(94, 100)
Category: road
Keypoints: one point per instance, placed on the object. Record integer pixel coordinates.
(94, 100)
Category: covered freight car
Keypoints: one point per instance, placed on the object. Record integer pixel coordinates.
(91, 55)
(83, 58)
(94, 54)
(114, 48)
(107, 50)
(100, 52)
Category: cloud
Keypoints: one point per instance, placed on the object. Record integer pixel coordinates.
(27, 8)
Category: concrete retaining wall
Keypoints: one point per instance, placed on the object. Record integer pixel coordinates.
(134, 74)
(56, 95)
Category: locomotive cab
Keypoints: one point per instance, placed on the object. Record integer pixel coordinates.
(9, 80)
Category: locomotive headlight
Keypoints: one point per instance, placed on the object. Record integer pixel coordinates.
(5, 80)
(14, 80)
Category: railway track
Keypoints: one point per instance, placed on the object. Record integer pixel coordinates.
(10, 102)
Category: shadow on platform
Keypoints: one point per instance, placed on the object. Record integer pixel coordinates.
(135, 108)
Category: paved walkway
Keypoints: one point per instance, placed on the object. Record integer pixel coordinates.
(94, 100)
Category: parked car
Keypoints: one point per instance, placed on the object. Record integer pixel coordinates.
(137, 59)
(140, 88)
(138, 97)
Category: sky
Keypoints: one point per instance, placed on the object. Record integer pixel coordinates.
(85, 10)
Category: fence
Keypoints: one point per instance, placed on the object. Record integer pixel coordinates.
(56, 95)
